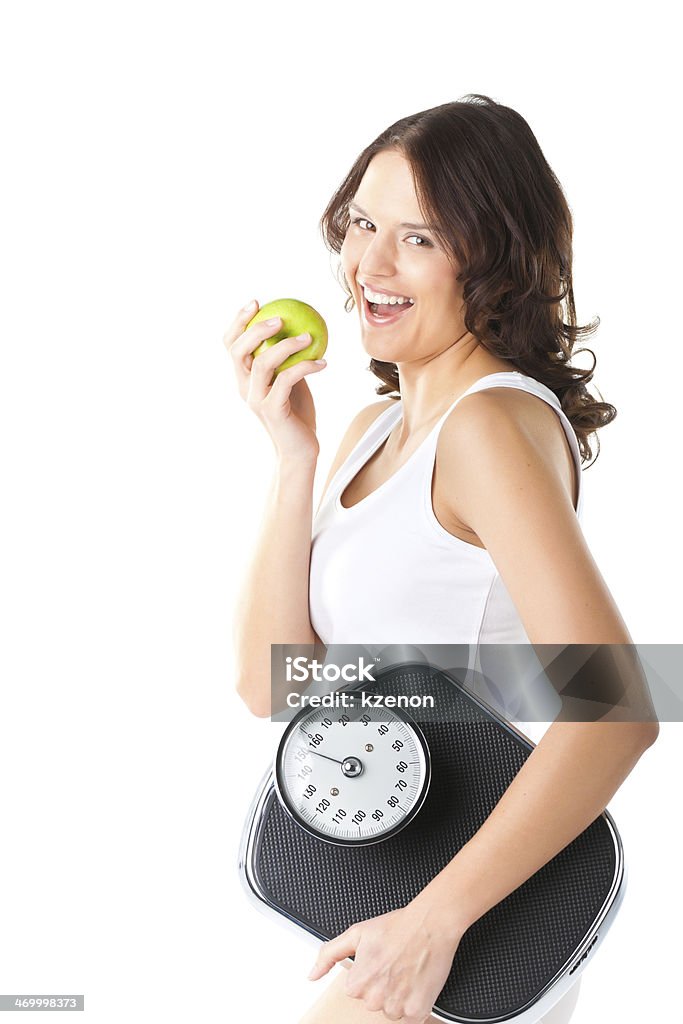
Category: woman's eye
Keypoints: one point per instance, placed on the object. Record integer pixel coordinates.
(424, 241)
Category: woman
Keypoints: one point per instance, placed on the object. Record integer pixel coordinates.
(457, 503)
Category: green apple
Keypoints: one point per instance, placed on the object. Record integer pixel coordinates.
(297, 318)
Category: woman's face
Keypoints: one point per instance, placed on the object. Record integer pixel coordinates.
(381, 253)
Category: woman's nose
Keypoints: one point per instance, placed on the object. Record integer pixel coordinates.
(378, 258)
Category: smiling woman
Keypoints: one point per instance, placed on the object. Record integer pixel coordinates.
(498, 242)
(451, 512)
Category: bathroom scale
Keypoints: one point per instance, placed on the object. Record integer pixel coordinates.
(366, 802)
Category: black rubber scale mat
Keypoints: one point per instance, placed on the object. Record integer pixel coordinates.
(511, 955)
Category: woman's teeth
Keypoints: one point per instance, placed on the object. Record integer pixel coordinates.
(386, 300)
(377, 313)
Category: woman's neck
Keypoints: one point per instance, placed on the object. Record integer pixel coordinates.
(428, 390)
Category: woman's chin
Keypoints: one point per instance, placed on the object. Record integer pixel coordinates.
(383, 352)
(375, 351)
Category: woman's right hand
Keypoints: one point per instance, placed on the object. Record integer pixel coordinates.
(285, 406)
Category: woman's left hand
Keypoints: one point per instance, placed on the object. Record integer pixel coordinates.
(402, 958)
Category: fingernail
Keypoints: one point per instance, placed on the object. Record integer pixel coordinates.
(303, 337)
(249, 305)
(320, 362)
(273, 320)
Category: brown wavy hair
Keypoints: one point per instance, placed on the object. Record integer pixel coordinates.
(499, 211)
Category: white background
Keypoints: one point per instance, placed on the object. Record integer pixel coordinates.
(161, 165)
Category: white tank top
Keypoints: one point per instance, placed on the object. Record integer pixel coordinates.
(386, 572)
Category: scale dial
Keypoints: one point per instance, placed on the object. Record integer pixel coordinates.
(352, 777)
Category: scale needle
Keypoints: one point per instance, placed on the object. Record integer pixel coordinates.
(325, 755)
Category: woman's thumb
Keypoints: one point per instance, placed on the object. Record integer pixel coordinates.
(331, 952)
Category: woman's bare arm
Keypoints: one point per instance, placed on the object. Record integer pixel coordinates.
(273, 605)
(514, 499)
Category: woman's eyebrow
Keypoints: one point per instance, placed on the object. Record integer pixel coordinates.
(405, 224)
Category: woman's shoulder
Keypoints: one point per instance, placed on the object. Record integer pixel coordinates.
(367, 416)
(360, 423)
(485, 413)
(510, 431)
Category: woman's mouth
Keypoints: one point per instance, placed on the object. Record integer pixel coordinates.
(381, 315)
